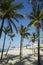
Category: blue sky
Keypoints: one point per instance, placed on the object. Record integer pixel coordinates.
(27, 9)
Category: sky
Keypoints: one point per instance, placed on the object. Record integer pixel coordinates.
(16, 41)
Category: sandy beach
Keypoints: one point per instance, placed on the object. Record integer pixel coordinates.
(27, 58)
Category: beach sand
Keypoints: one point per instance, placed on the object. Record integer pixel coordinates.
(14, 55)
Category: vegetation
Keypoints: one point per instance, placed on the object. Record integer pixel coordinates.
(24, 34)
(6, 31)
(9, 11)
(11, 36)
(36, 17)
(33, 39)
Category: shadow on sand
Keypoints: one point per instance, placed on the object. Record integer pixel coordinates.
(5, 61)
(19, 63)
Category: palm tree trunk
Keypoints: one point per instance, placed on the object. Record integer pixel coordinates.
(3, 47)
(8, 48)
(1, 27)
(38, 32)
(21, 48)
(32, 48)
(34, 51)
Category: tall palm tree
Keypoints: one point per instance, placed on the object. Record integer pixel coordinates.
(6, 31)
(11, 36)
(33, 39)
(36, 16)
(24, 34)
(8, 11)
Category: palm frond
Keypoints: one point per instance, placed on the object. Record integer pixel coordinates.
(1, 27)
(6, 30)
(19, 5)
(10, 25)
(30, 16)
(1, 15)
(18, 14)
(15, 18)
(41, 15)
(12, 7)
(14, 25)
(11, 1)
(30, 23)
(24, 31)
(28, 34)
(11, 35)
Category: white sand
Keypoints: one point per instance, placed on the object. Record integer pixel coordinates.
(13, 56)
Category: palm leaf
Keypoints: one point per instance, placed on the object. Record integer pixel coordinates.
(30, 16)
(1, 15)
(12, 7)
(18, 14)
(14, 25)
(15, 18)
(18, 6)
(28, 34)
(8, 9)
(1, 27)
(10, 1)
(11, 36)
(30, 23)
(6, 30)
(10, 25)
(41, 15)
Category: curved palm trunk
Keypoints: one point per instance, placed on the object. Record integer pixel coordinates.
(3, 47)
(1, 27)
(21, 48)
(38, 32)
(8, 48)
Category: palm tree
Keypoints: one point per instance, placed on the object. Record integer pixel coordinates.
(24, 34)
(36, 16)
(33, 39)
(8, 11)
(6, 31)
(11, 36)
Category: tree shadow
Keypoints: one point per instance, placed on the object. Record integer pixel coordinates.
(19, 63)
(35, 62)
(29, 58)
(41, 61)
(5, 60)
